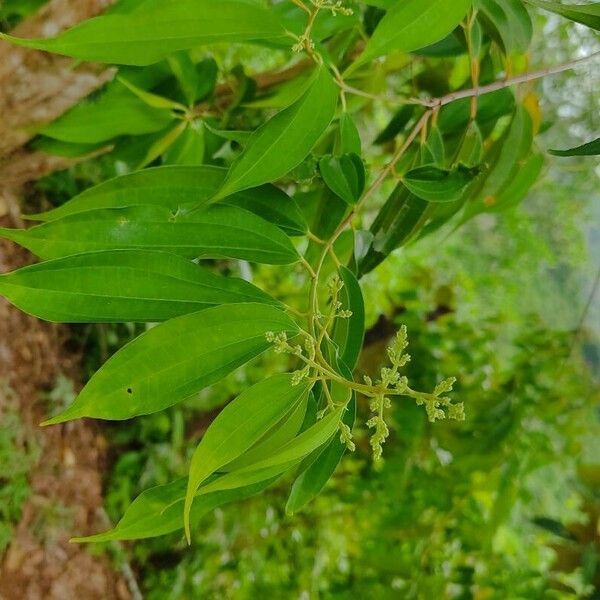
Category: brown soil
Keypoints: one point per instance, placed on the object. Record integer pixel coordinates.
(40, 563)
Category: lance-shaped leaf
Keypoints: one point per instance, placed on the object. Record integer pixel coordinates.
(117, 112)
(455, 117)
(344, 175)
(349, 137)
(413, 24)
(439, 185)
(321, 466)
(279, 435)
(589, 149)
(348, 334)
(178, 188)
(159, 510)
(273, 205)
(170, 187)
(146, 36)
(518, 187)
(175, 360)
(121, 286)
(240, 425)
(508, 22)
(433, 151)
(470, 151)
(285, 458)
(586, 14)
(504, 160)
(284, 141)
(218, 232)
(397, 222)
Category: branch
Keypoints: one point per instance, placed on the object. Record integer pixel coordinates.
(504, 83)
(473, 92)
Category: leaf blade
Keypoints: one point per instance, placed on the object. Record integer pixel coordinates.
(590, 149)
(283, 142)
(175, 360)
(219, 231)
(414, 24)
(145, 37)
(122, 286)
(232, 433)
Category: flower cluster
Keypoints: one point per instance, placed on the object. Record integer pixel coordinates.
(336, 7)
(391, 382)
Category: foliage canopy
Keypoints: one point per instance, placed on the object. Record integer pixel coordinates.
(290, 168)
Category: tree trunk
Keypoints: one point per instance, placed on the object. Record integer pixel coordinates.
(36, 88)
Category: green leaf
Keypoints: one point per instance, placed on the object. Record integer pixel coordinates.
(159, 510)
(433, 151)
(150, 99)
(312, 480)
(116, 112)
(218, 231)
(162, 144)
(239, 426)
(397, 222)
(470, 151)
(350, 142)
(518, 187)
(413, 24)
(282, 433)
(286, 456)
(146, 36)
(590, 149)
(508, 22)
(188, 149)
(586, 14)
(344, 175)
(122, 286)
(171, 187)
(284, 141)
(455, 117)
(178, 188)
(348, 334)
(273, 205)
(439, 185)
(504, 160)
(175, 360)
(241, 137)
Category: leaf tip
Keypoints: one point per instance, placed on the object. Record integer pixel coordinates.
(58, 419)
(32, 217)
(77, 540)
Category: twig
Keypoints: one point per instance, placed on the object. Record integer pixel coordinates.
(472, 92)
(504, 83)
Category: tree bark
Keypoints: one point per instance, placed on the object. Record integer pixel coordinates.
(36, 88)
